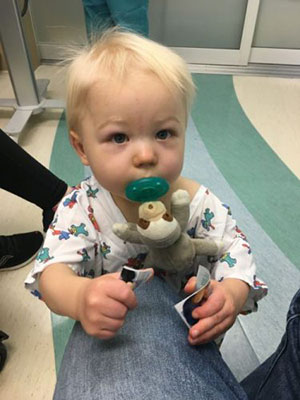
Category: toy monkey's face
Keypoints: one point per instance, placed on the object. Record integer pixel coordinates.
(157, 227)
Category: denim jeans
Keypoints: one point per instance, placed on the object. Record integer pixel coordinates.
(279, 376)
(148, 359)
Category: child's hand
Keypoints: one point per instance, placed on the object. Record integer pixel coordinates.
(219, 311)
(103, 304)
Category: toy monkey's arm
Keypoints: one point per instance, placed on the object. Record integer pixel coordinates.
(207, 246)
(180, 207)
(127, 232)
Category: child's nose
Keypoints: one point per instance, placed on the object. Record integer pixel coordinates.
(144, 155)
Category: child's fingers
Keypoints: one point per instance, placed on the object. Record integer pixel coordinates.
(190, 286)
(94, 321)
(212, 304)
(111, 324)
(123, 293)
(105, 334)
(213, 332)
(110, 286)
(114, 309)
(206, 324)
(105, 329)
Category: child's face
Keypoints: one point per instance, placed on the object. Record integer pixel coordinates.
(132, 131)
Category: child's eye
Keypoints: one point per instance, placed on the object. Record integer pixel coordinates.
(163, 135)
(119, 138)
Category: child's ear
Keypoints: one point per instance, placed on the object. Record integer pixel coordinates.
(78, 146)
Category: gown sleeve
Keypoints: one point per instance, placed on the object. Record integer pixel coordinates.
(236, 260)
(72, 239)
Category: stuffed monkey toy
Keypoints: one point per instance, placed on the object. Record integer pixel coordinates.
(170, 247)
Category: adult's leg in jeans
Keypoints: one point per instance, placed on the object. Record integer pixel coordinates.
(150, 358)
(25, 177)
(279, 376)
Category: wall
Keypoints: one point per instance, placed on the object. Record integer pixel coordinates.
(59, 23)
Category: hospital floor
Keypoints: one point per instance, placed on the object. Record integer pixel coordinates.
(271, 106)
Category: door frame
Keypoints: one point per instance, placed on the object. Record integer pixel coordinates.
(240, 56)
(263, 55)
(246, 54)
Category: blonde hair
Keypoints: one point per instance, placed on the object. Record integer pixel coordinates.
(115, 55)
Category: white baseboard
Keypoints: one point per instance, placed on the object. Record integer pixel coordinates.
(52, 53)
(287, 71)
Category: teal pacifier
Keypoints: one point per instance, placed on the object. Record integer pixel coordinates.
(146, 189)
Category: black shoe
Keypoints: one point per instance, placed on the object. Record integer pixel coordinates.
(18, 250)
(3, 352)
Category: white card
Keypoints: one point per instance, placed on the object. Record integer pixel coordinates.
(136, 276)
(186, 306)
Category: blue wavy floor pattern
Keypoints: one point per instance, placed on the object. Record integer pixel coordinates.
(269, 190)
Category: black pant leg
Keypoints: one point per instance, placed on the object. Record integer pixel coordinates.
(25, 177)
